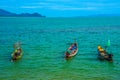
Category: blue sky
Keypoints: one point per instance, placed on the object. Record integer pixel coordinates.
(62, 8)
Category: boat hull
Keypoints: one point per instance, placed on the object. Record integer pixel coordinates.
(105, 57)
(16, 57)
(72, 53)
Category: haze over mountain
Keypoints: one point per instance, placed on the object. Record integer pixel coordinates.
(4, 13)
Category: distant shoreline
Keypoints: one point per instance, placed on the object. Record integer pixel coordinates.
(4, 13)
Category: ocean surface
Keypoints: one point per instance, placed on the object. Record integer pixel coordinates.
(45, 40)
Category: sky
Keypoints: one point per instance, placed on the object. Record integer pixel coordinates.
(63, 8)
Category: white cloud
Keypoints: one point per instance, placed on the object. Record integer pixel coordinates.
(59, 0)
(54, 5)
(43, 3)
(81, 8)
(31, 7)
(58, 7)
(99, 4)
(71, 8)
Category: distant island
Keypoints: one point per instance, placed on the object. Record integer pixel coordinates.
(4, 13)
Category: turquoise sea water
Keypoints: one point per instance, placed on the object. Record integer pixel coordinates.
(45, 40)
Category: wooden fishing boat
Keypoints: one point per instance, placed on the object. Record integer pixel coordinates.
(104, 55)
(72, 50)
